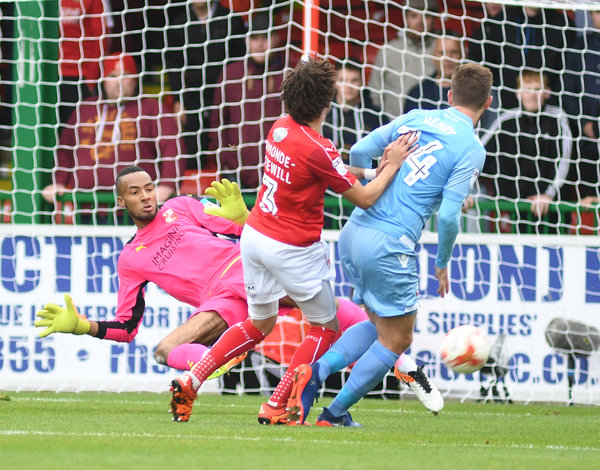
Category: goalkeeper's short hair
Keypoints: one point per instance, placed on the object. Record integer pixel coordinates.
(124, 172)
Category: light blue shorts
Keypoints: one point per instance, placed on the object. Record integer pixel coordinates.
(382, 269)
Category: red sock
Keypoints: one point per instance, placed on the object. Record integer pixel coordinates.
(317, 341)
(236, 340)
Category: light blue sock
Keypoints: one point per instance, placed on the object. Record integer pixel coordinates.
(366, 373)
(347, 349)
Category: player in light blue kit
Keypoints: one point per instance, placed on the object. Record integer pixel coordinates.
(377, 246)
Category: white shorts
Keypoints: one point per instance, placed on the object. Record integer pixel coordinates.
(272, 268)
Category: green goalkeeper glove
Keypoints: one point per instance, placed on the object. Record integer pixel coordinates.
(229, 196)
(62, 320)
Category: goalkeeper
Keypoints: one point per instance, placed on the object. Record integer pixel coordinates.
(188, 251)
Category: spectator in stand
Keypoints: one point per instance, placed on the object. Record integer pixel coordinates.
(520, 37)
(402, 62)
(201, 39)
(111, 131)
(84, 39)
(485, 45)
(432, 92)
(493, 13)
(529, 153)
(353, 114)
(582, 103)
(247, 104)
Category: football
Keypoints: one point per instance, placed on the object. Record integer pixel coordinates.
(465, 349)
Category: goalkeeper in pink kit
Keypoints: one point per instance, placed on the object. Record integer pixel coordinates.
(189, 253)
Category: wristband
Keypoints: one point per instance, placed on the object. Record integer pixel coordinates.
(370, 173)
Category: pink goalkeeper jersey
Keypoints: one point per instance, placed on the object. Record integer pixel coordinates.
(180, 252)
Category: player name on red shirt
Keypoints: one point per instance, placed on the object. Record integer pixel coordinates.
(300, 165)
(277, 164)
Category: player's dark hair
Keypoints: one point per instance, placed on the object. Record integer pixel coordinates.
(124, 172)
(308, 89)
(471, 86)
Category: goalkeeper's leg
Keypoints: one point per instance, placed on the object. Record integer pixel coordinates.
(186, 345)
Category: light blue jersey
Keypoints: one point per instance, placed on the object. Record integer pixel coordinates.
(443, 168)
(377, 246)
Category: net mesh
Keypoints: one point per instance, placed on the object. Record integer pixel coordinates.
(203, 105)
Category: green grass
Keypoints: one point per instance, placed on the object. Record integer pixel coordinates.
(133, 431)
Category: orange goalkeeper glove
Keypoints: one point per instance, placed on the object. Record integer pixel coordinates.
(229, 196)
(62, 320)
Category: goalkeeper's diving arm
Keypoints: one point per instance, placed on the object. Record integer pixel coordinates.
(65, 319)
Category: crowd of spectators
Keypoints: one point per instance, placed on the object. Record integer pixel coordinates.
(111, 130)
(223, 63)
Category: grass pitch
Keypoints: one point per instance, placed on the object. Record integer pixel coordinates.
(134, 431)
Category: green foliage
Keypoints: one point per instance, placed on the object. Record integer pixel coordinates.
(134, 431)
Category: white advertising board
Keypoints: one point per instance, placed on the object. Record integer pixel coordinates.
(509, 285)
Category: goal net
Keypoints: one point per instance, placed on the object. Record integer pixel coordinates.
(206, 80)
